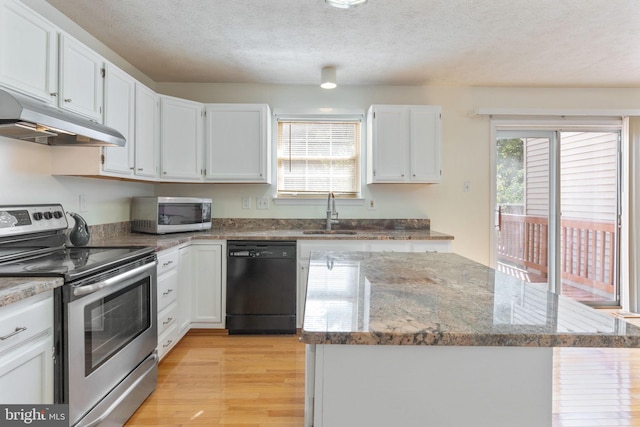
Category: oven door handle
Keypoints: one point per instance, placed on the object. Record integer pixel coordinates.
(94, 287)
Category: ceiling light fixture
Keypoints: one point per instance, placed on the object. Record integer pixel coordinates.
(328, 80)
(345, 4)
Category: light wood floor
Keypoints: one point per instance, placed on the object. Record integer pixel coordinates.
(231, 381)
(258, 381)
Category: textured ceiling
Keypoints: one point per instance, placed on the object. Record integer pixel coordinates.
(576, 43)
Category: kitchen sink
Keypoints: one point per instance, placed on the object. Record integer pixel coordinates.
(351, 232)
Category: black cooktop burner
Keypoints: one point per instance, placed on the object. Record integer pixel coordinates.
(73, 262)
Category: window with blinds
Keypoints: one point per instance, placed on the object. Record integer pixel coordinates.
(315, 157)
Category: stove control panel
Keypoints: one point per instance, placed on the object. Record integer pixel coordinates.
(16, 220)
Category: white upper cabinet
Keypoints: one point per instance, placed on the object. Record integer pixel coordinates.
(119, 113)
(147, 131)
(403, 144)
(181, 138)
(238, 143)
(28, 52)
(81, 79)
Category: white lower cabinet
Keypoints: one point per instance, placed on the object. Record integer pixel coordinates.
(185, 292)
(305, 247)
(167, 296)
(209, 283)
(190, 290)
(26, 351)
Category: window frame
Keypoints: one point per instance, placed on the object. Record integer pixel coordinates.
(319, 116)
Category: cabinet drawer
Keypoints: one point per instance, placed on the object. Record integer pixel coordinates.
(306, 247)
(167, 288)
(25, 319)
(167, 260)
(431, 246)
(389, 246)
(167, 340)
(167, 318)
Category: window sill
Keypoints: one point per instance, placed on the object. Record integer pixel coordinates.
(316, 201)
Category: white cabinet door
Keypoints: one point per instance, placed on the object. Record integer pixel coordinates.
(28, 52)
(147, 117)
(425, 143)
(181, 138)
(303, 273)
(26, 350)
(207, 292)
(238, 143)
(119, 113)
(185, 289)
(389, 136)
(26, 373)
(81, 79)
(403, 144)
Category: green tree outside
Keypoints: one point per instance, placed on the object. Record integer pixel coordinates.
(510, 171)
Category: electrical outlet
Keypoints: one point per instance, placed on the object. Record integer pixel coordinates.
(371, 205)
(82, 203)
(466, 187)
(263, 203)
(246, 202)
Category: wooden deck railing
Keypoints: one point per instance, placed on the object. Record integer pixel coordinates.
(587, 248)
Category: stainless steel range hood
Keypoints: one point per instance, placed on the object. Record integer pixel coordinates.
(24, 118)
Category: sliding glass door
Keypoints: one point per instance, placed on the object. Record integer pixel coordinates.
(557, 210)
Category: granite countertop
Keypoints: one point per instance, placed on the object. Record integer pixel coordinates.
(166, 241)
(443, 299)
(16, 289)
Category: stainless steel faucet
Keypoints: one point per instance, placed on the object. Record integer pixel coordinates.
(332, 214)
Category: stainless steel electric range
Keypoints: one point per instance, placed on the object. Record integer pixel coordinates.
(105, 313)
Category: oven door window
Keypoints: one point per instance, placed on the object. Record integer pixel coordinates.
(114, 321)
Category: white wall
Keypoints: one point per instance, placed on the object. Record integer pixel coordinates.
(25, 178)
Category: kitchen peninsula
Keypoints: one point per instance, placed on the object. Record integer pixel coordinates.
(417, 339)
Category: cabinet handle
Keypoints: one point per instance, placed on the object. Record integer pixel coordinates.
(168, 292)
(16, 332)
(167, 344)
(140, 169)
(168, 262)
(54, 94)
(166, 322)
(67, 100)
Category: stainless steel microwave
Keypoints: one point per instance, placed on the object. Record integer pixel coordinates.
(160, 215)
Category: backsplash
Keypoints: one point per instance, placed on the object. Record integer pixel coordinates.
(311, 224)
(101, 231)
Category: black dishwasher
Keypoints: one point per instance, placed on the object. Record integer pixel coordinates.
(261, 287)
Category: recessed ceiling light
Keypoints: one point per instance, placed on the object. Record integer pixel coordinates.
(345, 4)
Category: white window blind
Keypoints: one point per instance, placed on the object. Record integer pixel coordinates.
(315, 157)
